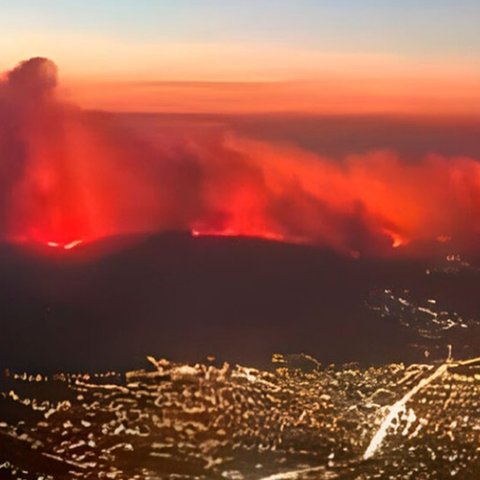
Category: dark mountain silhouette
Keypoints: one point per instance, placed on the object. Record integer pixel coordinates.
(174, 296)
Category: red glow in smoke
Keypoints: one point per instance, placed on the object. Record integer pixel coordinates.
(71, 177)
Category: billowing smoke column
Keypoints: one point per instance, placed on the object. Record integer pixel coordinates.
(69, 176)
(42, 198)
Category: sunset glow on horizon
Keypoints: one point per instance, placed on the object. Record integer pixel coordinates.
(254, 56)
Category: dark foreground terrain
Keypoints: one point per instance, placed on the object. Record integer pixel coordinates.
(407, 410)
(300, 421)
(99, 307)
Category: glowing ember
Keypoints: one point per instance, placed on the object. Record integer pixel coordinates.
(397, 242)
(73, 244)
(396, 239)
(66, 246)
(227, 232)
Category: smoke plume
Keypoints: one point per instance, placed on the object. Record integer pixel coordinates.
(67, 176)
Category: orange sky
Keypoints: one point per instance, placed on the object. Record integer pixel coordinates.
(100, 72)
(224, 79)
(254, 55)
(330, 96)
